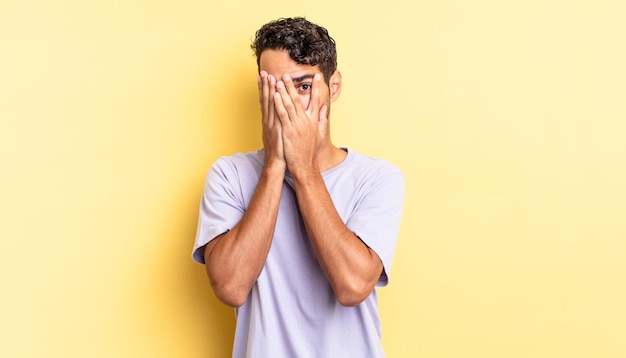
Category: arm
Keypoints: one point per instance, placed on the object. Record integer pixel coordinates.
(350, 266)
(235, 259)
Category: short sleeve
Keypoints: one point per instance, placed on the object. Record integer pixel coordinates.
(376, 219)
(221, 205)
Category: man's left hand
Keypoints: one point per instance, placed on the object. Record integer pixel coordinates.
(304, 130)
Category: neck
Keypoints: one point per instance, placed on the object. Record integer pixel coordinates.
(330, 156)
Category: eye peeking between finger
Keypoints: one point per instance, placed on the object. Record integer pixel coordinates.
(304, 88)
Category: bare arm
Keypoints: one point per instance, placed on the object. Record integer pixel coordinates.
(235, 259)
(351, 267)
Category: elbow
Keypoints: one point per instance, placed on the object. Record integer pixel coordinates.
(354, 293)
(228, 290)
(350, 301)
(231, 296)
(232, 301)
(357, 286)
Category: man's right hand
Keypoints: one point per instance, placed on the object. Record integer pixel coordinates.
(272, 129)
(235, 259)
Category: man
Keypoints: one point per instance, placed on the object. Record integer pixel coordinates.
(297, 235)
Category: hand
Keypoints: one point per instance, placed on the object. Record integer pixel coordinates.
(303, 130)
(272, 131)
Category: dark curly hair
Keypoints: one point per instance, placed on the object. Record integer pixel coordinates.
(306, 42)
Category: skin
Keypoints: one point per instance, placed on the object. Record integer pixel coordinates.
(295, 102)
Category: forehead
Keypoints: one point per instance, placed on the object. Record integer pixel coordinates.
(278, 63)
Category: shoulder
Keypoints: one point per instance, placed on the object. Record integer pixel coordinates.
(239, 163)
(237, 170)
(372, 166)
(362, 175)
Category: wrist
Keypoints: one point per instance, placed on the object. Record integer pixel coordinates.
(274, 169)
(305, 174)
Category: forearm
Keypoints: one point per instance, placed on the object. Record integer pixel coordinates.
(235, 259)
(351, 267)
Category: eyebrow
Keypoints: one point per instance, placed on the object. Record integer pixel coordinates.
(302, 78)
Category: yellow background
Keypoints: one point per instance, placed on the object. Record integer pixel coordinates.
(508, 119)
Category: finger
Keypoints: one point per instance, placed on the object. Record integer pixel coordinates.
(281, 109)
(271, 117)
(322, 126)
(315, 101)
(287, 101)
(259, 82)
(265, 98)
(293, 94)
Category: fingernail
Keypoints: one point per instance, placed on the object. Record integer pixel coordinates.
(286, 78)
(280, 84)
(317, 77)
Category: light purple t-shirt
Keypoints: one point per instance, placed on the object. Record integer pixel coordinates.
(291, 310)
